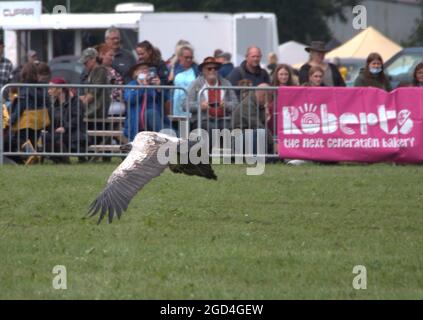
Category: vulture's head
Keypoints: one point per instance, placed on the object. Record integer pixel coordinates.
(126, 148)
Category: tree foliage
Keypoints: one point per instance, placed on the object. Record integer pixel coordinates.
(301, 20)
(416, 38)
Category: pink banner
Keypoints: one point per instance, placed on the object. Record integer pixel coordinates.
(350, 124)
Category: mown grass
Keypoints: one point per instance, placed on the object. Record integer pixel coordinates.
(293, 233)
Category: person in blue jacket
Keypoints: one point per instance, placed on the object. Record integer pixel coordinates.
(145, 106)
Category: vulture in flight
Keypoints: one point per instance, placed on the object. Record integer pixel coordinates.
(139, 168)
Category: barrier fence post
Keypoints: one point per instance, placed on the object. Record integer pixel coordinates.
(229, 119)
(2, 90)
(97, 126)
(116, 135)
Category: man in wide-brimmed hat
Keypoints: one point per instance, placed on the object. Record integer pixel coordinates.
(318, 46)
(215, 105)
(332, 77)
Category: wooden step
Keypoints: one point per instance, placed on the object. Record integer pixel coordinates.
(107, 120)
(104, 133)
(104, 148)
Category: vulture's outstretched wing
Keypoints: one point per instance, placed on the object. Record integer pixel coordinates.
(138, 169)
(201, 170)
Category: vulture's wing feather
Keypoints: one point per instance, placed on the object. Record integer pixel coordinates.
(138, 169)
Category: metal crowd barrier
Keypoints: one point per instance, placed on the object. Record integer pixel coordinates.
(34, 129)
(243, 108)
(39, 128)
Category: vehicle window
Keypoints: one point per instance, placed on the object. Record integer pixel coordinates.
(37, 41)
(404, 64)
(353, 71)
(93, 37)
(63, 42)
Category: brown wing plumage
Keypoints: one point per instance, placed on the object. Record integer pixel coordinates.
(201, 170)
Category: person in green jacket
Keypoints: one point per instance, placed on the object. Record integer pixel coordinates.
(373, 74)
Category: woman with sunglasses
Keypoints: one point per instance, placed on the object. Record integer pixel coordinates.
(183, 74)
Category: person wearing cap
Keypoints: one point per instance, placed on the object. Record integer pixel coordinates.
(225, 59)
(250, 69)
(32, 56)
(215, 105)
(331, 77)
(67, 130)
(96, 101)
(145, 111)
(6, 67)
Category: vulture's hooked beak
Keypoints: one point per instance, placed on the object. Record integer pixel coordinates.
(126, 147)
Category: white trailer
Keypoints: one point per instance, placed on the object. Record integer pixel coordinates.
(26, 27)
(233, 33)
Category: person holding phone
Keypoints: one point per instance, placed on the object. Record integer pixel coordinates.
(145, 111)
(147, 53)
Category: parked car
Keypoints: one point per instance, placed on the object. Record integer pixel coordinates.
(67, 67)
(400, 68)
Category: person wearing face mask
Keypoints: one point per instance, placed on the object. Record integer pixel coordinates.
(146, 52)
(145, 111)
(373, 74)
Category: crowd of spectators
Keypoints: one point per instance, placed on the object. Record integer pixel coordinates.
(153, 109)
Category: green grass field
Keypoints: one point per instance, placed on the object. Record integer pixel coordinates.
(293, 233)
